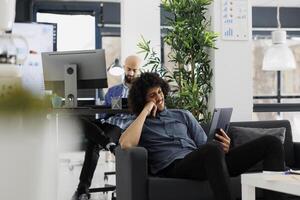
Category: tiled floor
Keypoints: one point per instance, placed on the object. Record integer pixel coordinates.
(70, 165)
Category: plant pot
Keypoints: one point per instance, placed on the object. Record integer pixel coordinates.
(28, 153)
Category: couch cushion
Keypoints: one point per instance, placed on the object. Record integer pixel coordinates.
(288, 142)
(242, 135)
(172, 188)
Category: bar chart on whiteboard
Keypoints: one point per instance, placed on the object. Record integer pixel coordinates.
(235, 19)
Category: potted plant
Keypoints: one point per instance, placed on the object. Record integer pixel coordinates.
(27, 144)
(190, 40)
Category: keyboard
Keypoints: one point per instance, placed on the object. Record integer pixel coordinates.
(99, 106)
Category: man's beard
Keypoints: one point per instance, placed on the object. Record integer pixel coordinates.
(128, 80)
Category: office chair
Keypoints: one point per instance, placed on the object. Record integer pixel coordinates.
(113, 133)
(107, 187)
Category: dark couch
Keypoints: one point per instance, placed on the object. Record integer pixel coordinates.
(135, 183)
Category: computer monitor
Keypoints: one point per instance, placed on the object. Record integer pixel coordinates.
(40, 37)
(69, 71)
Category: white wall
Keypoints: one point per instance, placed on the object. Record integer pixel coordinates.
(139, 18)
(231, 62)
(232, 66)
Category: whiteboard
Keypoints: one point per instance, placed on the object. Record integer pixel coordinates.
(235, 19)
(40, 39)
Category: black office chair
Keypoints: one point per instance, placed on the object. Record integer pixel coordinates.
(114, 135)
(107, 187)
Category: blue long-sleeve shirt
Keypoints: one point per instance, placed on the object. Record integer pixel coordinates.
(120, 90)
(171, 135)
(120, 120)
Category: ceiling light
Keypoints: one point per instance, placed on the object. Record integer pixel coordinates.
(279, 56)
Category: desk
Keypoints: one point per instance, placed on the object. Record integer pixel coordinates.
(280, 183)
(73, 113)
(90, 111)
(61, 115)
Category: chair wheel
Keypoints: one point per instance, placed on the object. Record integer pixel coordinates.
(113, 197)
(105, 178)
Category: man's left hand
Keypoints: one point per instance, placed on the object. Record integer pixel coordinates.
(224, 140)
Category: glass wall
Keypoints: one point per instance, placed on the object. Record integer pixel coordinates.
(80, 30)
(267, 89)
(112, 46)
(264, 81)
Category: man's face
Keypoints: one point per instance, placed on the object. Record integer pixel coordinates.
(156, 95)
(131, 71)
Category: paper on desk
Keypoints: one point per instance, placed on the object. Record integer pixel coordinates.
(280, 176)
(292, 171)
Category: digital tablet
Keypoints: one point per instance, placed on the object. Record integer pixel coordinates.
(124, 103)
(220, 120)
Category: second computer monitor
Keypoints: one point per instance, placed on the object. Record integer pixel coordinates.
(60, 69)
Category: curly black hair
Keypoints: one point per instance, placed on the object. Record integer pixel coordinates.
(140, 87)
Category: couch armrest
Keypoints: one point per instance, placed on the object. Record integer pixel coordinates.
(131, 173)
(297, 154)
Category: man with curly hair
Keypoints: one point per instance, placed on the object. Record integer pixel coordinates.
(177, 145)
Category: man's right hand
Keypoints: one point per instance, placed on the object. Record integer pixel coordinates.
(224, 140)
(150, 108)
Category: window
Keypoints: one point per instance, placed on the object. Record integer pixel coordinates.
(269, 78)
(79, 21)
(80, 30)
(87, 25)
(166, 50)
(276, 94)
(112, 46)
(271, 84)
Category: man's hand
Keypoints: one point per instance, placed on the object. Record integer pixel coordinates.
(224, 140)
(151, 108)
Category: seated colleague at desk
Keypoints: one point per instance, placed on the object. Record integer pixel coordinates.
(177, 145)
(103, 135)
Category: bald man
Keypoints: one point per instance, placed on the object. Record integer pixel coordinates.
(105, 135)
(131, 68)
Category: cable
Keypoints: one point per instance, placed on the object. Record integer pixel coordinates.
(278, 16)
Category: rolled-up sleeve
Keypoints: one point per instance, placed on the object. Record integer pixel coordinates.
(195, 131)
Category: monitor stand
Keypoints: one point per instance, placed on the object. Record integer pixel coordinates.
(70, 85)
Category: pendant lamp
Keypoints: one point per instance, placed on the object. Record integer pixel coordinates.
(279, 56)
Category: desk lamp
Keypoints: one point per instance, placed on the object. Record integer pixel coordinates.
(116, 69)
